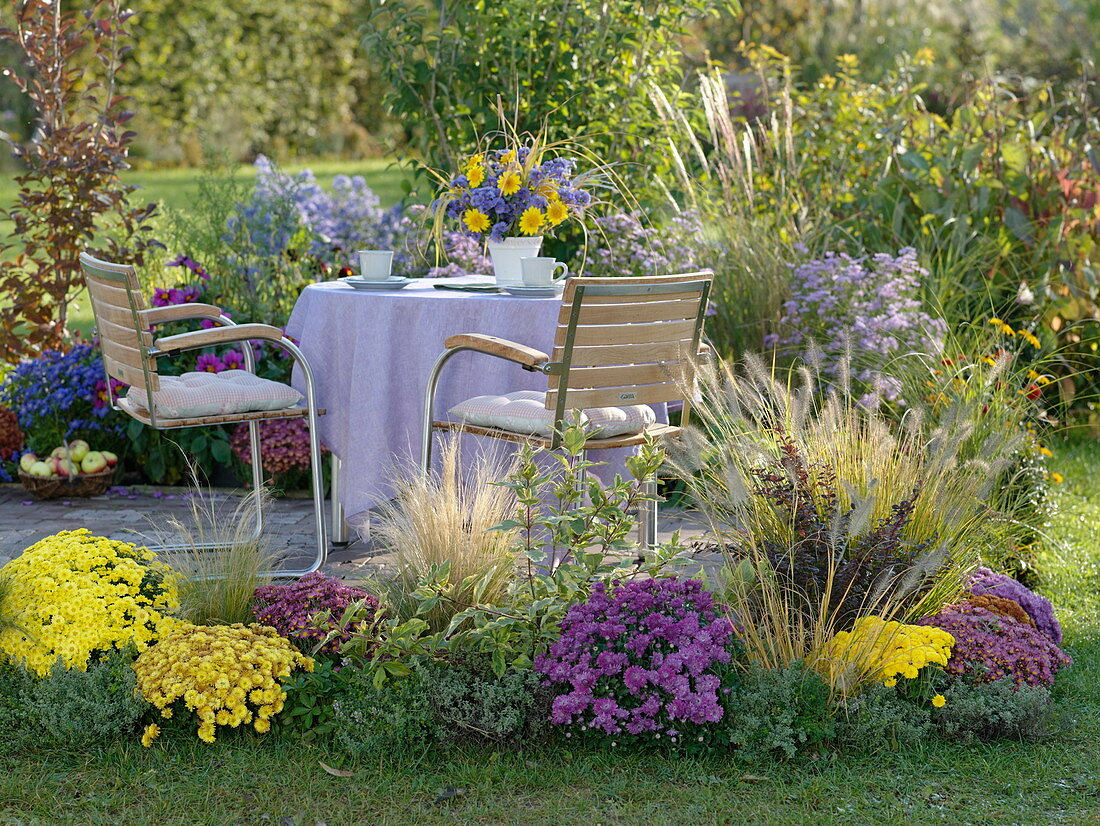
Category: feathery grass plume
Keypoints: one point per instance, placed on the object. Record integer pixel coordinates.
(217, 583)
(7, 618)
(439, 527)
(827, 513)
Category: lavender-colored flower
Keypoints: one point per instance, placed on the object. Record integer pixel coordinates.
(991, 647)
(639, 661)
(622, 245)
(209, 363)
(859, 313)
(985, 581)
(284, 445)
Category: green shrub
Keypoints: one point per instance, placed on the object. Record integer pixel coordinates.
(778, 711)
(998, 710)
(82, 709)
(394, 718)
(471, 701)
(880, 718)
(15, 724)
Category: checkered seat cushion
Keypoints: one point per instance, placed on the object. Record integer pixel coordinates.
(524, 411)
(194, 395)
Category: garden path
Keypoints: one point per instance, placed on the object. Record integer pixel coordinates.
(138, 514)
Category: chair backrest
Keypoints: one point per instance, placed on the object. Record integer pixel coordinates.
(124, 337)
(627, 341)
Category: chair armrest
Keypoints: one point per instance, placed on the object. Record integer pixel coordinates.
(499, 347)
(179, 312)
(219, 335)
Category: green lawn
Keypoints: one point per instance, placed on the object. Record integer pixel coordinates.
(249, 780)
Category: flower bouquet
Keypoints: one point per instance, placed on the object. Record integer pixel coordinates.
(511, 197)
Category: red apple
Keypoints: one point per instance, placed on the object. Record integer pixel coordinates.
(78, 449)
(59, 452)
(65, 467)
(40, 469)
(94, 462)
(112, 460)
(26, 460)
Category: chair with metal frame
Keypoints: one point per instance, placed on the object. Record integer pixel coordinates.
(125, 328)
(618, 341)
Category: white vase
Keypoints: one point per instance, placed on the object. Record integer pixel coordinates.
(506, 255)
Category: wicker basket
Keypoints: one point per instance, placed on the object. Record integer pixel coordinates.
(84, 484)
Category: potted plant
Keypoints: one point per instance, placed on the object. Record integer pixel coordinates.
(511, 197)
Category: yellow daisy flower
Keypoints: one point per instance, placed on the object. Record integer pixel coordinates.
(1030, 338)
(476, 175)
(1057, 478)
(510, 183)
(556, 212)
(939, 701)
(531, 220)
(475, 220)
(508, 157)
(151, 733)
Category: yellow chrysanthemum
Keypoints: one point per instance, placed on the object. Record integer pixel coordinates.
(939, 701)
(151, 733)
(531, 220)
(475, 220)
(510, 183)
(556, 212)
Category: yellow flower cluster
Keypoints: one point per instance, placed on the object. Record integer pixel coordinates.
(226, 674)
(890, 650)
(74, 594)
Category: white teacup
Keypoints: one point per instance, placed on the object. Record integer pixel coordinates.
(375, 265)
(539, 272)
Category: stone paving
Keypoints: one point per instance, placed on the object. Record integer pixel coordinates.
(142, 514)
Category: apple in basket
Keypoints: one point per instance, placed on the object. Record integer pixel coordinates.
(26, 460)
(112, 460)
(40, 469)
(59, 452)
(78, 449)
(94, 462)
(65, 467)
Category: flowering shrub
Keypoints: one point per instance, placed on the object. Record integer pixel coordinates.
(513, 191)
(1037, 607)
(622, 245)
(284, 445)
(990, 647)
(863, 307)
(61, 396)
(288, 608)
(640, 661)
(226, 674)
(887, 650)
(1001, 606)
(77, 596)
(11, 440)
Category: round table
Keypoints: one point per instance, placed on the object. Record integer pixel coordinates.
(371, 353)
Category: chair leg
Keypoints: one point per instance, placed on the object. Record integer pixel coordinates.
(257, 475)
(339, 524)
(429, 404)
(647, 516)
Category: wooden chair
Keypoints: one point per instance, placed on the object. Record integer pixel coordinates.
(130, 352)
(619, 341)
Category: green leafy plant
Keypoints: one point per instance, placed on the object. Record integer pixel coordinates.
(998, 710)
(69, 190)
(778, 711)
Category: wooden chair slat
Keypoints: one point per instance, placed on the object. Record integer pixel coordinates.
(121, 316)
(124, 336)
(112, 294)
(655, 431)
(590, 336)
(632, 313)
(614, 354)
(125, 355)
(639, 299)
(126, 374)
(617, 396)
(584, 378)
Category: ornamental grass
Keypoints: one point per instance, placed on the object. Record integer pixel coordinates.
(826, 512)
(219, 561)
(445, 518)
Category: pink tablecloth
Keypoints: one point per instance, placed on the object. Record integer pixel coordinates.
(371, 353)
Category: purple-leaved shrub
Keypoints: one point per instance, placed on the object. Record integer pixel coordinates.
(991, 647)
(288, 607)
(641, 661)
(857, 314)
(985, 581)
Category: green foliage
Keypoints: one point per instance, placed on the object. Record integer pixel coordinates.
(776, 711)
(379, 722)
(69, 189)
(250, 77)
(468, 701)
(580, 67)
(309, 712)
(998, 710)
(74, 709)
(882, 719)
(15, 724)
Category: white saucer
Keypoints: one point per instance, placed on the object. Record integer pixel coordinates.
(533, 292)
(394, 282)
